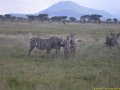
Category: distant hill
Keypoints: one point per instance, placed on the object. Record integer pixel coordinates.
(18, 15)
(69, 8)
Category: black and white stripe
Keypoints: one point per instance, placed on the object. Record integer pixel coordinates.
(48, 44)
(73, 43)
(112, 39)
(67, 47)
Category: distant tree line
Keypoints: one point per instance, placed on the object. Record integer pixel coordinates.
(93, 18)
(10, 18)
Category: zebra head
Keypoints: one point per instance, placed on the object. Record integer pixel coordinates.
(60, 42)
(57, 42)
(72, 34)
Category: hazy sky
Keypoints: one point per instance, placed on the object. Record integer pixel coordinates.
(34, 6)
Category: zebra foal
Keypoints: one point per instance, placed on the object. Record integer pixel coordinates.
(67, 47)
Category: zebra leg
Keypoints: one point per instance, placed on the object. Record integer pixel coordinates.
(57, 51)
(74, 52)
(48, 51)
(66, 54)
(71, 51)
(31, 48)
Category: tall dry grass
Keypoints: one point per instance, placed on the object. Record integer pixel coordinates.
(93, 66)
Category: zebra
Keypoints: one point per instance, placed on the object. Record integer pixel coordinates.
(48, 44)
(117, 36)
(111, 40)
(114, 38)
(73, 43)
(67, 47)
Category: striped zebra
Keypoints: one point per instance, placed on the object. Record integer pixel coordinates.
(67, 47)
(73, 43)
(112, 39)
(48, 44)
(108, 41)
(115, 38)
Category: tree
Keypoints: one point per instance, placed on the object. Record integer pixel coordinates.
(63, 19)
(72, 19)
(21, 19)
(53, 18)
(109, 20)
(13, 18)
(95, 18)
(1, 17)
(85, 18)
(59, 19)
(43, 17)
(31, 18)
(115, 20)
(7, 17)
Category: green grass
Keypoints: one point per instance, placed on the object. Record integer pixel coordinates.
(94, 65)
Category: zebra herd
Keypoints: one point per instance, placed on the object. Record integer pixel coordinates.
(69, 44)
(112, 39)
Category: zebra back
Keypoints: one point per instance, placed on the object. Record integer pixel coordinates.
(52, 42)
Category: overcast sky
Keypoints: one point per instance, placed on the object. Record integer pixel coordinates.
(34, 6)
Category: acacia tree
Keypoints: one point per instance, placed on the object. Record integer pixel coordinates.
(7, 17)
(31, 18)
(1, 17)
(85, 18)
(90, 18)
(95, 18)
(54, 19)
(63, 19)
(21, 19)
(115, 20)
(43, 17)
(72, 19)
(13, 18)
(59, 19)
(109, 20)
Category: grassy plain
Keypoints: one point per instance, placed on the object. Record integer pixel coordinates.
(94, 66)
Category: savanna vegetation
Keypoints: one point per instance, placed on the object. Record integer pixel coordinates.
(94, 66)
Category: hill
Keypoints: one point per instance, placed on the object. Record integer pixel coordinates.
(69, 8)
